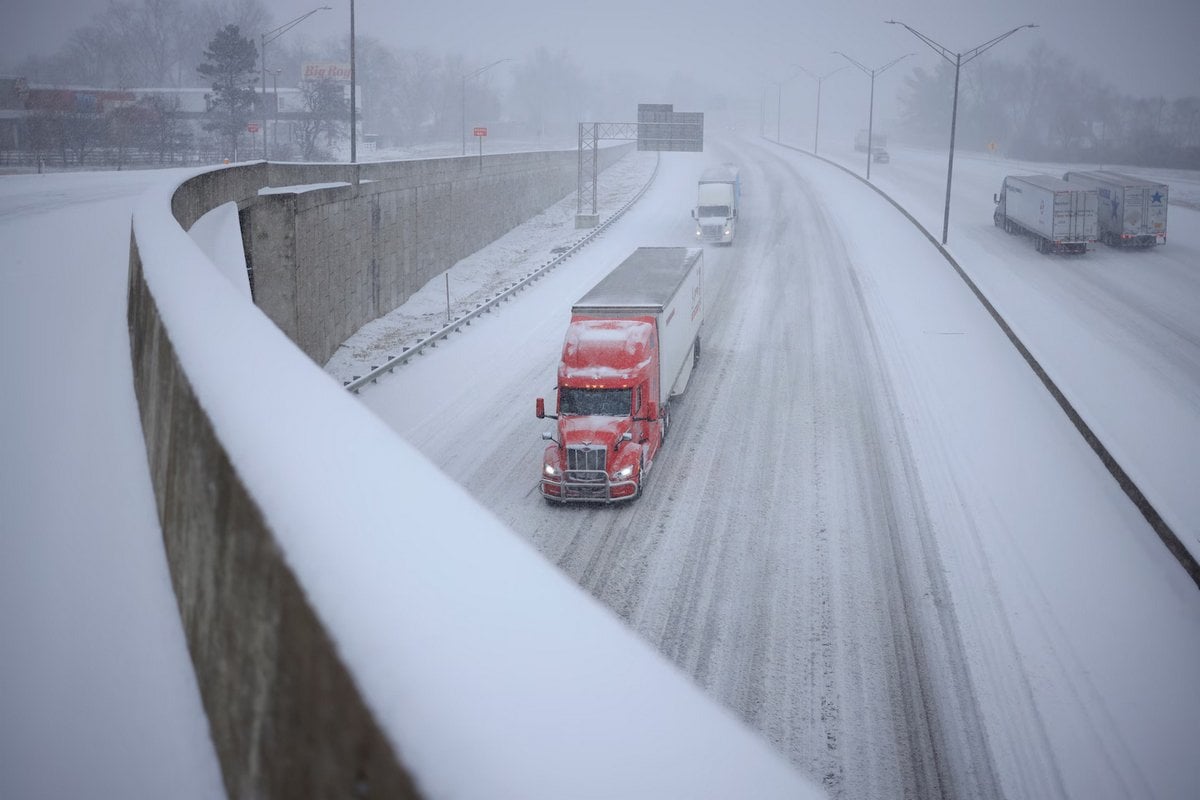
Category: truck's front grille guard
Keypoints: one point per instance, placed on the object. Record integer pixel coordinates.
(486, 306)
(586, 464)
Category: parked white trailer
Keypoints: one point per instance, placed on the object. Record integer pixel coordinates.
(1060, 216)
(1133, 211)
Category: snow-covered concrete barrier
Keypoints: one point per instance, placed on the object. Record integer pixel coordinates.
(334, 246)
(359, 626)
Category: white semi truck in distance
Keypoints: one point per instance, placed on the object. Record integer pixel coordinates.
(1133, 211)
(1059, 216)
(717, 198)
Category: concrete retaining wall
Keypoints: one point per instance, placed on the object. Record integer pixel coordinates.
(286, 717)
(327, 261)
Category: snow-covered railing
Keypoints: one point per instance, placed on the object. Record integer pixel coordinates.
(485, 307)
(359, 624)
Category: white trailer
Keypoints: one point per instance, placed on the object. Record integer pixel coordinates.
(1061, 217)
(717, 197)
(665, 283)
(1133, 211)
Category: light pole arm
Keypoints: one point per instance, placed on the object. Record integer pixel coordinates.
(465, 77)
(937, 48)
(275, 33)
(852, 61)
(978, 51)
(958, 59)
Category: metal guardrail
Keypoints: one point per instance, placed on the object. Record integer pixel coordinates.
(485, 307)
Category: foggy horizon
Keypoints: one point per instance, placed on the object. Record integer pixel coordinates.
(737, 52)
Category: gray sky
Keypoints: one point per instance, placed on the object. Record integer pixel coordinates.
(740, 44)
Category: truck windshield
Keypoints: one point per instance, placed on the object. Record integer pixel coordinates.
(606, 402)
(713, 211)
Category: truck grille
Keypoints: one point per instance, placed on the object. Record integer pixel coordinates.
(586, 463)
(712, 231)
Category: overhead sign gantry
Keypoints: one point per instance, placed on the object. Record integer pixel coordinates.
(658, 128)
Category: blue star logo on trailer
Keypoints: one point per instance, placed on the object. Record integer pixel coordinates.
(1156, 197)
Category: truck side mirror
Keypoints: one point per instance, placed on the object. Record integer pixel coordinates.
(693, 213)
(540, 408)
(996, 199)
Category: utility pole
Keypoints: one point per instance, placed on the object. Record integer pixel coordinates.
(264, 39)
(819, 79)
(871, 111)
(958, 60)
(465, 76)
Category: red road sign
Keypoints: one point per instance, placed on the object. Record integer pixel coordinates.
(481, 131)
(252, 127)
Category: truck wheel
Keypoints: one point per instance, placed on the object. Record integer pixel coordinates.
(696, 351)
(641, 473)
(666, 421)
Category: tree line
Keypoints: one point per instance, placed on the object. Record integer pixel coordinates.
(409, 96)
(1046, 108)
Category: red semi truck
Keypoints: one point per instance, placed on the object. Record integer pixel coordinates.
(630, 347)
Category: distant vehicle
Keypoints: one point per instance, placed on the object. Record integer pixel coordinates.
(880, 155)
(630, 347)
(717, 197)
(1133, 211)
(1060, 216)
(877, 140)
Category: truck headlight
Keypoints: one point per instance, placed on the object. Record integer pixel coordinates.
(623, 474)
(550, 471)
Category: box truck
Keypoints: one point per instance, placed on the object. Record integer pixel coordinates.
(1133, 211)
(1060, 216)
(630, 347)
(717, 197)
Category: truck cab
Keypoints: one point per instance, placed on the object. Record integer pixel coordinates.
(630, 347)
(717, 198)
(609, 423)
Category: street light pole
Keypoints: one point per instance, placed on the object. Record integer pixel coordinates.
(275, 122)
(465, 76)
(871, 111)
(820, 79)
(958, 60)
(264, 39)
(778, 108)
(353, 97)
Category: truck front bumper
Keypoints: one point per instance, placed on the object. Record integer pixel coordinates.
(714, 234)
(588, 488)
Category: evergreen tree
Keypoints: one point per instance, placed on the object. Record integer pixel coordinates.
(230, 62)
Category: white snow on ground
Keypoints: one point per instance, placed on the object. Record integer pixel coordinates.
(1105, 622)
(1071, 603)
(492, 674)
(97, 694)
(478, 277)
(1118, 330)
(218, 233)
(1082, 633)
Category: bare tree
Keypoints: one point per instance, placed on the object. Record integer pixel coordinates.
(326, 114)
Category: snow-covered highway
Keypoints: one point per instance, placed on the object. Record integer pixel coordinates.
(872, 534)
(870, 511)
